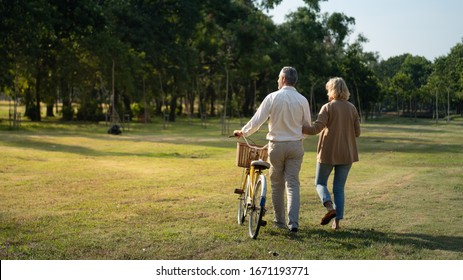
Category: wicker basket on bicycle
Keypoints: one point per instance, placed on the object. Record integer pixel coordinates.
(246, 154)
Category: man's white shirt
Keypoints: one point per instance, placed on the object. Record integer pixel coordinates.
(287, 111)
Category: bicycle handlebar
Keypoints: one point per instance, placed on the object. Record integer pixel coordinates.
(247, 142)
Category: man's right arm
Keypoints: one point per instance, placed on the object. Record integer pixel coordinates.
(259, 118)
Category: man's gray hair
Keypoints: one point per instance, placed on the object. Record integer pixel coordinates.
(290, 75)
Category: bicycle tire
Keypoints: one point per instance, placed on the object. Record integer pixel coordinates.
(257, 210)
(242, 201)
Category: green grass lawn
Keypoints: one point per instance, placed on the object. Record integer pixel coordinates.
(72, 191)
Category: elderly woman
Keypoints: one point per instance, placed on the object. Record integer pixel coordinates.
(339, 124)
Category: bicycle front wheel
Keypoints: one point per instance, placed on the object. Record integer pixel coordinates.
(257, 210)
(242, 203)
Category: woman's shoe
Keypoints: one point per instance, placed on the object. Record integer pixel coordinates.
(328, 217)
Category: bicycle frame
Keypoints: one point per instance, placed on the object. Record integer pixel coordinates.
(253, 194)
(251, 172)
(253, 175)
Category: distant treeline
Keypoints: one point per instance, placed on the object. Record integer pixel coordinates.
(202, 58)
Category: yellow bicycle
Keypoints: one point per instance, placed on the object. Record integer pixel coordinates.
(253, 190)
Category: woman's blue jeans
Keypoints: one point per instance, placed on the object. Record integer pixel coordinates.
(340, 177)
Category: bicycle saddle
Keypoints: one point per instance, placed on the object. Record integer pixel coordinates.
(260, 164)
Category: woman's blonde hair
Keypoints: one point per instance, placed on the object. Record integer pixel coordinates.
(337, 89)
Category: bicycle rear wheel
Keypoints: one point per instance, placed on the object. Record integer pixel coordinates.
(242, 202)
(257, 210)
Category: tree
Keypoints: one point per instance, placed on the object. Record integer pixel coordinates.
(301, 44)
(450, 70)
(206, 57)
(363, 84)
(446, 80)
(401, 85)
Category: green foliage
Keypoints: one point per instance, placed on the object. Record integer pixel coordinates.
(338, 25)
(203, 57)
(137, 109)
(67, 113)
(90, 111)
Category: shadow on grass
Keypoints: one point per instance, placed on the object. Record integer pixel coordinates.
(36, 143)
(358, 239)
(368, 144)
(84, 151)
(387, 140)
(402, 128)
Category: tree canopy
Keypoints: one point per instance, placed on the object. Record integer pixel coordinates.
(196, 58)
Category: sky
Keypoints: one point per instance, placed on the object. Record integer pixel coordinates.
(428, 28)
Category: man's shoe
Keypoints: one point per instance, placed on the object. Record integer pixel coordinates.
(293, 230)
(280, 225)
(328, 217)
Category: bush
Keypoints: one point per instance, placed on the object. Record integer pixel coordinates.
(90, 111)
(68, 113)
(137, 109)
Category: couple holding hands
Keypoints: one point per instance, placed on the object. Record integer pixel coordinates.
(338, 124)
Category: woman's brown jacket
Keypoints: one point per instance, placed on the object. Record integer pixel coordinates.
(339, 124)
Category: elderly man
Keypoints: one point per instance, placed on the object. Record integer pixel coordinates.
(287, 111)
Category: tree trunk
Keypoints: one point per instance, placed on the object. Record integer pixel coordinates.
(38, 85)
(248, 104)
(212, 99)
(50, 110)
(173, 108)
(358, 99)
